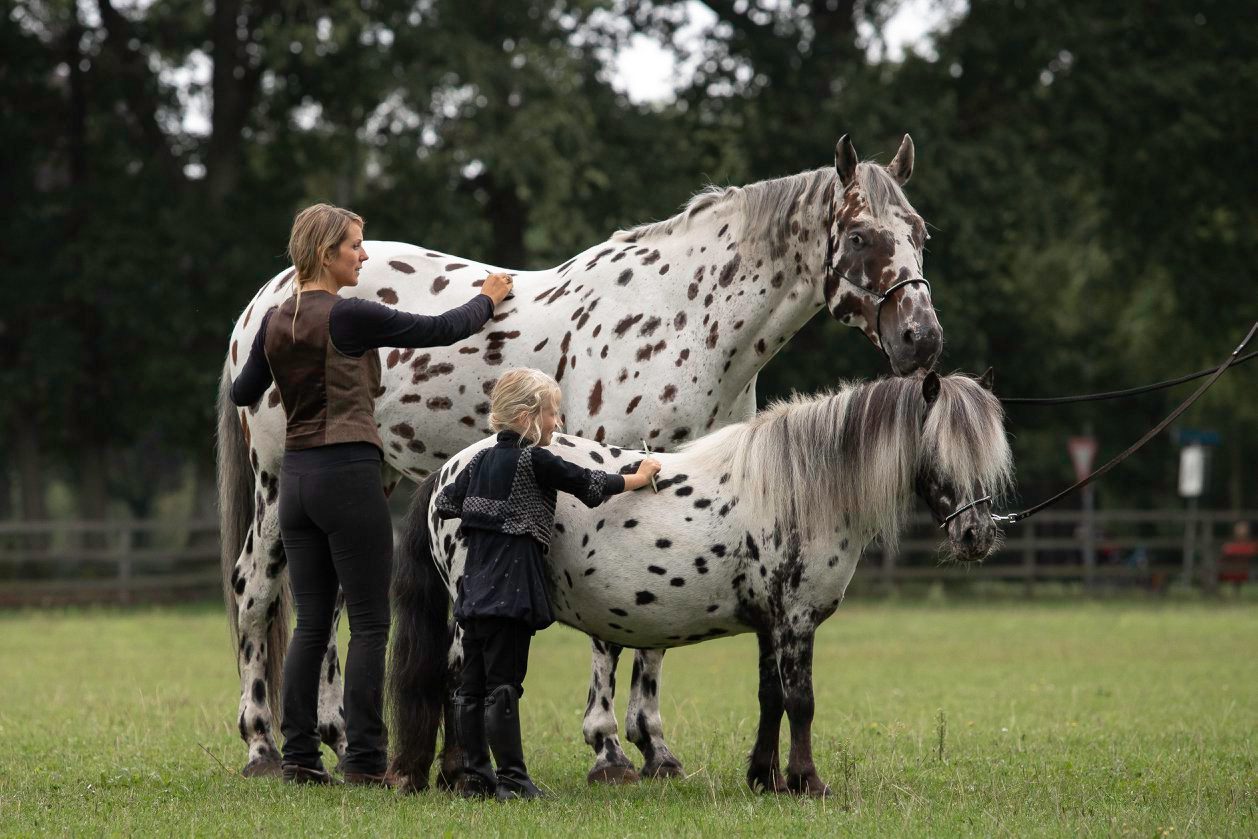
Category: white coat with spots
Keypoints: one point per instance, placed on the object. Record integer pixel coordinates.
(755, 528)
(656, 334)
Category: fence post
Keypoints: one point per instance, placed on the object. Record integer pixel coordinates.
(1209, 561)
(125, 542)
(1028, 559)
(888, 571)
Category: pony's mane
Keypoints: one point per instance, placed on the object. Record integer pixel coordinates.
(766, 205)
(848, 459)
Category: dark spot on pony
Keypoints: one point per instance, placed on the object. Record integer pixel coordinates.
(388, 295)
(642, 598)
(398, 265)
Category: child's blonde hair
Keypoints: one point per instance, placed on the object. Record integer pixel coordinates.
(523, 390)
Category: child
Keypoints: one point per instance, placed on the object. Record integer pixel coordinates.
(506, 498)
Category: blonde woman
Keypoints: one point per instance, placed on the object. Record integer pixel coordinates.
(320, 350)
(506, 498)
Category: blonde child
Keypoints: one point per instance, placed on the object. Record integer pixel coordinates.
(506, 498)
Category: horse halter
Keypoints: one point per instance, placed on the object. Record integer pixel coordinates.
(958, 511)
(881, 299)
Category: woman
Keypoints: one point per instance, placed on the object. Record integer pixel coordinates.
(320, 350)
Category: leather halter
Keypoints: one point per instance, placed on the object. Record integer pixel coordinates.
(882, 298)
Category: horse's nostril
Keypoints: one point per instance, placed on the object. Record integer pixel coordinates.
(969, 537)
(908, 337)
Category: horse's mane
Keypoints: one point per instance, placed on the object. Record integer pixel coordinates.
(766, 205)
(848, 459)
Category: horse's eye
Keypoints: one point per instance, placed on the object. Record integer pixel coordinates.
(856, 240)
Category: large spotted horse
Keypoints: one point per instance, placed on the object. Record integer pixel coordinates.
(757, 527)
(657, 333)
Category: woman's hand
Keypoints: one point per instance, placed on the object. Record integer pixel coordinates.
(497, 287)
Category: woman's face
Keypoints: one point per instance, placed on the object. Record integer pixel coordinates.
(345, 263)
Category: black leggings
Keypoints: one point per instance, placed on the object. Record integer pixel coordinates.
(495, 653)
(337, 533)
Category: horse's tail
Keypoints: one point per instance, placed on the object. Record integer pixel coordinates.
(235, 517)
(421, 641)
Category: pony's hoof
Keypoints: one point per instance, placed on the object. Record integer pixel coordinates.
(613, 774)
(767, 783)
(663, 769)
(809, 785)
(405, 787)
(448, 779)
(262, 767)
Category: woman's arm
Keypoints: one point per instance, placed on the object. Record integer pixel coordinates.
(255, 376)
(359, 325)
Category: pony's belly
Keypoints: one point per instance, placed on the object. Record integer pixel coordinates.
(639, 595)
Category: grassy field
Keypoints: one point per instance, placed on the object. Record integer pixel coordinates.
(932, 720)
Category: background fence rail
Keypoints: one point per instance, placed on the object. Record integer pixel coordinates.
(59, 562)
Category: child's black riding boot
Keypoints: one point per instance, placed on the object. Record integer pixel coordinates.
(502, 724)
(478, 779)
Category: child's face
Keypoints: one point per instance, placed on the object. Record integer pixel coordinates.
(547, 420)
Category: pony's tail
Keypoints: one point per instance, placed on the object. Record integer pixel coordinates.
(421, 641)
(235, 517)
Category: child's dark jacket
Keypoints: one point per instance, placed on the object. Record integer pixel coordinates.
(506, 498)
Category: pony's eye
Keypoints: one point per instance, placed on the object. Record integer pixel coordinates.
(856, 240)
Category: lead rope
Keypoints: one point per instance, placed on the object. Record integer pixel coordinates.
(1012, 518)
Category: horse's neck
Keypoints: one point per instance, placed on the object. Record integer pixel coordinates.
(742, 297)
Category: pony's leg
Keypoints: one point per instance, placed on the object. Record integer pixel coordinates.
(611, 766)
(259, 580)
(763, 770)
(643, 726)
(450, 759)
(794, 644)
(331, 691)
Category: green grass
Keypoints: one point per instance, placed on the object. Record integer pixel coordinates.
(1066, 719)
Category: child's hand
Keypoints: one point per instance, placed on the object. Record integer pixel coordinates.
(647, 468)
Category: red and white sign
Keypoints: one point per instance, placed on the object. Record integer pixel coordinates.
(1082, 452)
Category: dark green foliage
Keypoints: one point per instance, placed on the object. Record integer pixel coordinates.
(1085, 168)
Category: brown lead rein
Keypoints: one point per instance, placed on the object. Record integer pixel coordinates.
(1030, 511)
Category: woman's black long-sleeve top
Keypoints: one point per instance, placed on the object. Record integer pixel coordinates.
(357, 326)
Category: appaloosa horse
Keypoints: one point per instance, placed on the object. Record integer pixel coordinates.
(757, 528)
(657, 333)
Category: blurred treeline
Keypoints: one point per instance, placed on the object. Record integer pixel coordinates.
(1087, 168)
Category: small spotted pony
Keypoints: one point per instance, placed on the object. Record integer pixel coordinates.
(757, 528)
(657, 333)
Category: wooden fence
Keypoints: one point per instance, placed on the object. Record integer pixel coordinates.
(59, 562)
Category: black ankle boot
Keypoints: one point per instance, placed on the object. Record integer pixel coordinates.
(479, 780)
(502, 725)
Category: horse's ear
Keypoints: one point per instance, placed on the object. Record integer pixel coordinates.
(988, 379)
(901, 166)
(845, 160)
(930, 387)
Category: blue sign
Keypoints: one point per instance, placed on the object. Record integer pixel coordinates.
(1197, 437)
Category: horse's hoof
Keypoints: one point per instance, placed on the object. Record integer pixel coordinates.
(262, 767)
(613, 774)
(448, 781)
(663, 769)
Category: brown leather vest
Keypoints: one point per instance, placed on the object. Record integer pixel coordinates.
(328, 397)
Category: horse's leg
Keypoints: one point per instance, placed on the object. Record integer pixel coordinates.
(331, 692)
(259, 581)
(611, 766)
(643, 726)
(794, 644)
(450, 759)
(763, 770)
